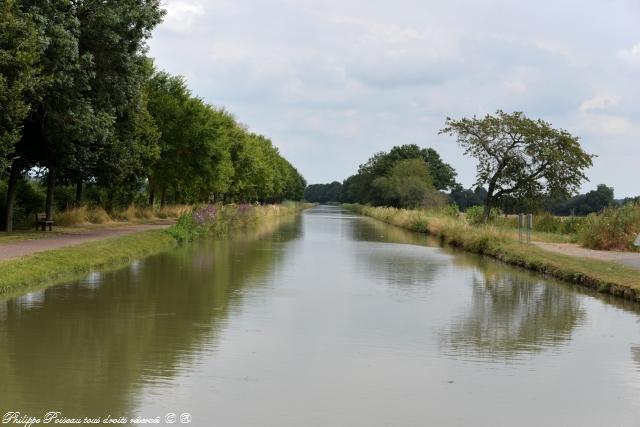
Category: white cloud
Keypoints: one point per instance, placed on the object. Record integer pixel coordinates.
(607, 125)
(600, 102)
(333, 81)
(181, 15)
(631, 55)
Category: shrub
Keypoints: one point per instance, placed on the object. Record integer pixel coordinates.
(547, 223)
(614, 228)
(97, 215)
(474, 215)
(71, 216)
(82, 215)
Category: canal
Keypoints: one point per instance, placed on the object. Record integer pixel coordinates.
(326, 319)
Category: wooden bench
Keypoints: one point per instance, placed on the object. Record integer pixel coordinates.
(41, 220)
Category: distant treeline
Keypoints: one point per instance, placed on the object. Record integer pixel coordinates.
(83, 109)
(409, 176)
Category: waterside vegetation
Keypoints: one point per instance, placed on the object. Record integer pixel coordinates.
(60, 265)
(498, 243)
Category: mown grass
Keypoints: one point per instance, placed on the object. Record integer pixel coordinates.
(62, 265)
(496, 242)
(66, 264)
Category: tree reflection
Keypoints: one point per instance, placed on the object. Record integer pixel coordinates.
(512, 313)
(635, 353)
(407, 263)
(87, 348)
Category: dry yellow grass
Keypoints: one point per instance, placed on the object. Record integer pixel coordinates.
(97, 215)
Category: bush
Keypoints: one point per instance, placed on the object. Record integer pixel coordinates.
(614, 228)
(474, 215)
(547, 223)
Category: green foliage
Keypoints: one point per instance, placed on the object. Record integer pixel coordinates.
(408, 185)
(614, 228)
(205, 155)
(323, 193)
(100, 115)
(381, 182)
(548, 223)
(584, 204)
(520, 157)
(30, 200)
(19, 73)
(360, 187)
(475, 215)
(219, 220)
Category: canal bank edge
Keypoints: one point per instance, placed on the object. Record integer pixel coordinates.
(603, 276)
(48, 268)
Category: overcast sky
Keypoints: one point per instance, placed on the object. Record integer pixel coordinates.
(333, 81)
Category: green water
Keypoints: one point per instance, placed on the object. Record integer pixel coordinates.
(329, 319)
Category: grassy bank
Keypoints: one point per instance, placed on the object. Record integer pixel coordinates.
(61, 265)
(495, 242)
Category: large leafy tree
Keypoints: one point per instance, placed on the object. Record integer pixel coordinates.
(114, 34)
(408, 185)
(360, 187)
(55, 110)
(323, 193)
(91, 55)
(520, 157)
(194, 143)
(443, 175)
(19, 73)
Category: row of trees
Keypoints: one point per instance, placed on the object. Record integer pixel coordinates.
(406, 176)
(81, 103)
(522, 164)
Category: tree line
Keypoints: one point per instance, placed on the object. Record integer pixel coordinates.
(523, 165)
(83, 106)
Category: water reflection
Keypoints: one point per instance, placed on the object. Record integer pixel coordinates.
(635, 353)
(86, 348)
(334, 319)
(511, 314)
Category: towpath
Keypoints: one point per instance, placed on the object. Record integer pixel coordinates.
(630, 259)
(56, 241)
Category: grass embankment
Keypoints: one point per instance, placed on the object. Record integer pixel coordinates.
(61, 265)
(498, 243)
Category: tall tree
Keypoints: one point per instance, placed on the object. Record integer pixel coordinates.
(407, 185)
(520, 157)
(19, 73)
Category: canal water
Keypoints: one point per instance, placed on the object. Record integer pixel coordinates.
(327, 319)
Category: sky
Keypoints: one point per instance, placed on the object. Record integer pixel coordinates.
(331, 82)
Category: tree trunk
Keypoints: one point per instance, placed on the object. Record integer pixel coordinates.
(16, 169)
(152, 194)
(163, 195)
(51, 184)
(79, 192)
(488, 204)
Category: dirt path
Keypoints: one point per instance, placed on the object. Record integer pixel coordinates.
(630, 259)
(27, 247)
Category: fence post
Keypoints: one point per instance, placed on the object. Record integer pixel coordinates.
(520, 226)
(529, 227)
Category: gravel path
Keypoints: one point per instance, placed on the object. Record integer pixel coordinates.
(28, 247)
(630, 259)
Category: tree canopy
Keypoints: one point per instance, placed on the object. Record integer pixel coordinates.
(82, 105)
(371, 184)
(520, 157)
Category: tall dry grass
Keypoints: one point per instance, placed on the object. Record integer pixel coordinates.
(97, 215)
(615, 228)
(449, 228)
